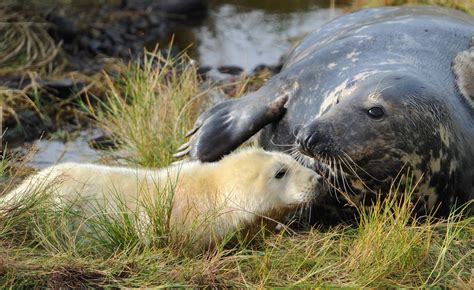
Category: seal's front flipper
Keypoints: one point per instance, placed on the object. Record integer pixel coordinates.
(463, 67)
(227, 125)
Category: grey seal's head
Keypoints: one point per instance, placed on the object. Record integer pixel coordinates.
(379, 123)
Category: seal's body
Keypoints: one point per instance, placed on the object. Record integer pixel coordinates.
(370, 94)
(208, 200)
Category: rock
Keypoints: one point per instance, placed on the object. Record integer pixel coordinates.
(95, 33)
(62, 88)
(114, 35)
(62, 28)
(94, 46)
(191, 9)
(30, 127)
(141, 23)
(103, 142)
(231, 70)
(154, 19)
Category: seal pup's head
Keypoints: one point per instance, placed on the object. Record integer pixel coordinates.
(246, 191)
(259, 180)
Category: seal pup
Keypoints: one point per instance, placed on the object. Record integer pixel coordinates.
(209, 200)
(370, 94)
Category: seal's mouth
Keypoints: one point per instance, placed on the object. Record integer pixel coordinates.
(323, 169)
(328, 167)
(336, 169)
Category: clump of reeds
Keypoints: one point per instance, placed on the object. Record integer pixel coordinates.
(149, 107)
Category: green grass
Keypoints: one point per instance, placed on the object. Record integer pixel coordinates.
(149, 107)
(46, 247)
(42, 245)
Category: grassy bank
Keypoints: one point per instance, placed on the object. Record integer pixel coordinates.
(41, 247)
(150, 106)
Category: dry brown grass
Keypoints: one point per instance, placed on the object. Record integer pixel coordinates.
(25, 45)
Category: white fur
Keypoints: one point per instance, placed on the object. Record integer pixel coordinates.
(235, 191)
(463, 67)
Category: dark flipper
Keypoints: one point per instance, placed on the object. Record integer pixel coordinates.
(227, 125)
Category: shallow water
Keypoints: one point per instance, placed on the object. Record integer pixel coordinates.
(252, 34)
(49, 152)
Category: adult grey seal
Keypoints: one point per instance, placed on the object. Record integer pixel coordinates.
(368, 95)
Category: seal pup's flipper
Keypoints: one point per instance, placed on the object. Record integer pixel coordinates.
(463, 67)
(227, 125)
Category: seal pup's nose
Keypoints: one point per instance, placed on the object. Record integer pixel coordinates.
(317, 181)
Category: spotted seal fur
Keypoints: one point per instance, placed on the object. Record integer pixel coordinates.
(368, 95)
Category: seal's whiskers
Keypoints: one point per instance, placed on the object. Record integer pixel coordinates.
(281, 145)
(344, 179)
(348, 158)
(353, 171)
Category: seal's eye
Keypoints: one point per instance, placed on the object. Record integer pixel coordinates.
(281, 173)
(375, 112)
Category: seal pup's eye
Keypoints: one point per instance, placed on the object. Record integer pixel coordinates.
(375, 112)
(281, 173)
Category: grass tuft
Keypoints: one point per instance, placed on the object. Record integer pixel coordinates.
(149, 107)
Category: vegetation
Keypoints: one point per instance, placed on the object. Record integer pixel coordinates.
(148, 108)
(25, 45)
(28, 57)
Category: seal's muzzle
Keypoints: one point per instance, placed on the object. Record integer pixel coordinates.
(312, 140)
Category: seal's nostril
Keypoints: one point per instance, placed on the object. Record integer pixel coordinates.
(313, 138)
(306, 139)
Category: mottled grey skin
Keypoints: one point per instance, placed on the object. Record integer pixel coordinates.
(398, 59)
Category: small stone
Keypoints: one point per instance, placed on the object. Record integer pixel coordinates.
(231, 70)
(102, 142)
(95, 33)
(203, 70)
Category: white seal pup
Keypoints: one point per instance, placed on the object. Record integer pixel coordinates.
(210, 200)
